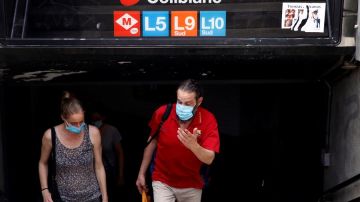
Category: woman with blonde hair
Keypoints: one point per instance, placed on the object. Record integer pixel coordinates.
(80, 174)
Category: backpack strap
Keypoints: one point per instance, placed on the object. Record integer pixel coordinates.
(54, 188)
(53, 152)
(163, 119)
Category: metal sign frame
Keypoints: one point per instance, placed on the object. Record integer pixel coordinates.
(333, 17)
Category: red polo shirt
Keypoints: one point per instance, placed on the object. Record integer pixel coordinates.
(175, 165)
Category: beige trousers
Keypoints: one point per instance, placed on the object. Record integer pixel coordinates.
(165, 193)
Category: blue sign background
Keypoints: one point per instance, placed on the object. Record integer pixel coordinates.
(157, 23)
(212, 23)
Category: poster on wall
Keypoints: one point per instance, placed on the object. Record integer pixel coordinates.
(305, 17)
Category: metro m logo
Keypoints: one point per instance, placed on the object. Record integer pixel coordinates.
(127, 23)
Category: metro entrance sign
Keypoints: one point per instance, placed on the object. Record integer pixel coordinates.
(217, 21)
(170, 24)
(174, 23)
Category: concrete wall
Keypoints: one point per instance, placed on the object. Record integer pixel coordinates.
(348, 22)
(345, 137)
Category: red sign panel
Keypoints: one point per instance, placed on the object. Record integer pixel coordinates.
(127, 23)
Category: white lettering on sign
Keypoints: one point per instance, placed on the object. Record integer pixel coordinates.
(147, 25)
(189, 23)
(213, 23)
(177, 33)
(160, 24)
(207, 32)
(176, 22)
(126, 21)
(185, 1)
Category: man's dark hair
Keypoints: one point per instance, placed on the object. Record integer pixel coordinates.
(191, 85)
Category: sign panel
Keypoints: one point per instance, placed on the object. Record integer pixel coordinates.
(126, 23)
(213, 23)
(306, 17)
(296, 17)
(184, 23)
(155, 23)
(180, 22)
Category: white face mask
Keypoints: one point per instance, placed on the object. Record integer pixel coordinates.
(98, 123)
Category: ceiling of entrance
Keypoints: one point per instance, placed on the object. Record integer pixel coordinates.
(35, 66)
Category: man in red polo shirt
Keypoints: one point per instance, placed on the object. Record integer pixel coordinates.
(188, 139)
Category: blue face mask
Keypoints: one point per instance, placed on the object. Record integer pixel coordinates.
(184, 112)
(74, 129)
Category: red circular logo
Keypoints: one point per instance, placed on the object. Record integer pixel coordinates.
(129, 2)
